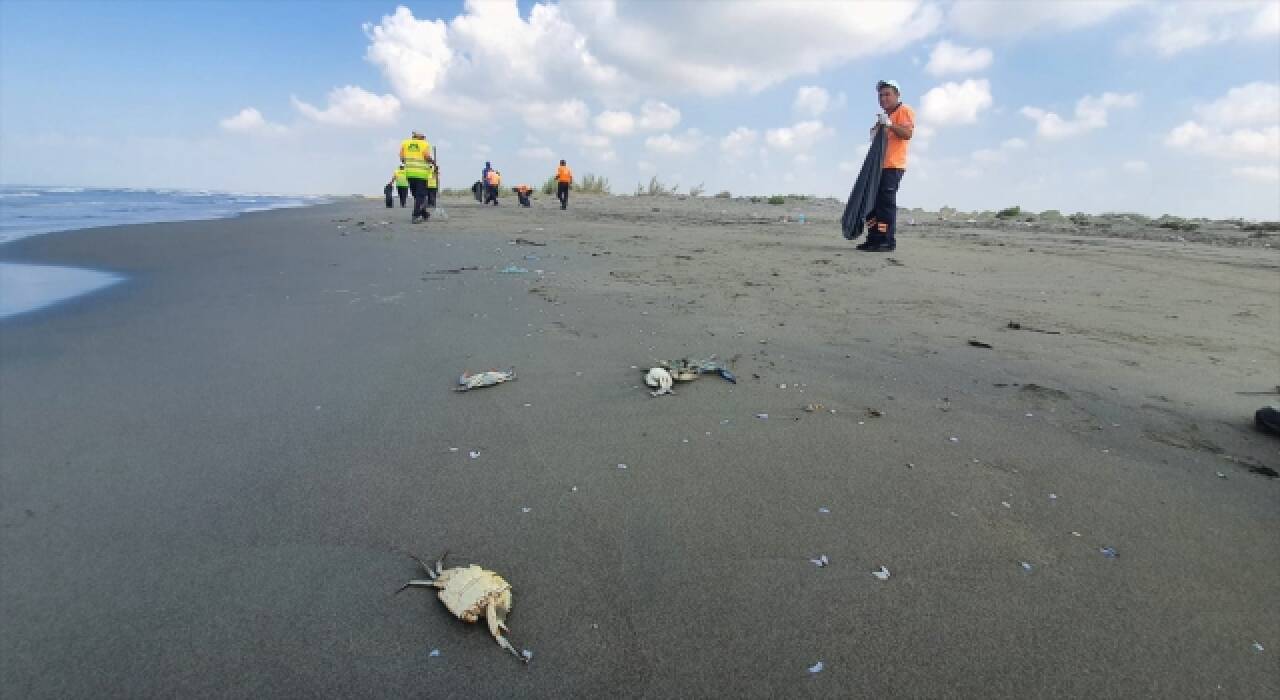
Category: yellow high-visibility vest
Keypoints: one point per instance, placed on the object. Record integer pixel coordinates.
(402, 178)
(414, 153)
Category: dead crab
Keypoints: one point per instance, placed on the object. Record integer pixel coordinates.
(469, 592)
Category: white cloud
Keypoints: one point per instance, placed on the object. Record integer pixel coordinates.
(645, 166)
(799, 137)
(991, 18)
(250, 120)
(1184, 26)
(998, 155)
(1091, 113)
(675, 145)
(1258, 173)
(592, 141)
(658, 116)
(1137, 167)
(1254, 103)
(352, 106)
(956, 103)
(615, 123)
(739, 142)
(811, 101)
(536, 153)
(685, 46)
(950, 59)
(565, 114)
(1262, 144)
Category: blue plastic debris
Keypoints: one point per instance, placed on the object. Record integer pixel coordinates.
(1109, 552)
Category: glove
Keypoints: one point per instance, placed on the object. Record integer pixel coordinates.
(882, 119)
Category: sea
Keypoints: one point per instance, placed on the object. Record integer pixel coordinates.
(30, 210)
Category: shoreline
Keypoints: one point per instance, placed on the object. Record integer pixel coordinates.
(266, 409)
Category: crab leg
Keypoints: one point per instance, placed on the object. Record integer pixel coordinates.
(417, 583)
(440, 563)
(430, 573)
(491, 616)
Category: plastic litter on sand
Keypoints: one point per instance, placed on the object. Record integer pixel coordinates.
(882, 574)
(1109, 552)
(824, 510)
(1257, 646)
(474, 454)
(817, 668)
(1026, 566)
(821, 561)
(622, 466)
(528, 655)
(434, 653)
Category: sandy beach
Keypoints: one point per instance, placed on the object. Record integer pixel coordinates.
(211, 471)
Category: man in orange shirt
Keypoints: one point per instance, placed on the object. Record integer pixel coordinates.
(564, 178)
(899, 123)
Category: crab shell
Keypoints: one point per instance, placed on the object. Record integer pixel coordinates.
(468, 591)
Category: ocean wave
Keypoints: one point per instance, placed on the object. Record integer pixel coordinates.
(19, 194)
(63, 190)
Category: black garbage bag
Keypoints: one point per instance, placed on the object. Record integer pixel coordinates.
(386, 192)
(477, 190)
(862, 200)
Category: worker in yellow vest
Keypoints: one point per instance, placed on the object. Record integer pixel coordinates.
(401, 181)
(415, 153)
(564, 178)
(433, 183)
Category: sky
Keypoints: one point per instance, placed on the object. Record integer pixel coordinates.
(1088, 105)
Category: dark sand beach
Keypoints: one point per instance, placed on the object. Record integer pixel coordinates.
(210, 472)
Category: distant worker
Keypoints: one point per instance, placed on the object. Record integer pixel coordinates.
(415, 153)
(522, 193)
(491, 187)
(433, 183)
(899, 121)
(564, 178)
(401, 180)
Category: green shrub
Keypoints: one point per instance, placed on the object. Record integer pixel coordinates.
(1010, 213)
(777, 199)
(724, 194)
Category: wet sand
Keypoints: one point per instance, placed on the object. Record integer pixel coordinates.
(210, 471)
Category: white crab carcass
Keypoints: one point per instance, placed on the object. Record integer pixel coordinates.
(471, 592)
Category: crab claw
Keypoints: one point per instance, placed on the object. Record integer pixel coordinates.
(496, 623)
(416, 583)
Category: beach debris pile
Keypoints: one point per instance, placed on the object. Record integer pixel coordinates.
(661, 376)
(469, 381)
(470, 592)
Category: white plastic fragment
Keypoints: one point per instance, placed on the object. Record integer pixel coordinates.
(1053, 497)
(528, 655)
(762, 416)
(821, 561)
(622, 466)
(453, 449)
(882, 574)
(525, 509)
(1257, 646)
(817, 668)
(474, 454)
(824, 510)
(434, 653)
(1005, 504)
(1025, 566)
(954, 439)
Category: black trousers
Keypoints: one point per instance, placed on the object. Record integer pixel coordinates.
(562, 194)
(431, 196)
(491, 194)
(524, 199)
(886, 209)
(418, 187)
(404, 194)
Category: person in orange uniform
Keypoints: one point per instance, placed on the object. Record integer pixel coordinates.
(522, 193)
(493, 182)
(564, 178)
(899, 122)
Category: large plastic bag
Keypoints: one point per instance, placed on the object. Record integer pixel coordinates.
(862, 200)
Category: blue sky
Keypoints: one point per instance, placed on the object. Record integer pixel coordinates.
(1090, 105)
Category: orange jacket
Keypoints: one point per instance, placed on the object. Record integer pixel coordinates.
(564, 174)
(895, 148)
